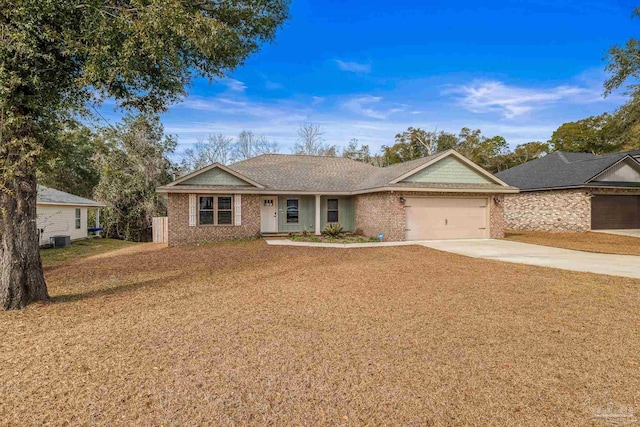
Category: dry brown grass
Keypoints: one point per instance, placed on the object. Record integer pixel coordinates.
(245, 333)
(589, 242)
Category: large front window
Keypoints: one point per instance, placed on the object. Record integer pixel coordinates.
(332, 210)
(215, 210)
(292, 211)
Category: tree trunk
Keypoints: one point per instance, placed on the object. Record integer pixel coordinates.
(21, 277)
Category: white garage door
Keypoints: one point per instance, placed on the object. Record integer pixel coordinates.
(431, 218)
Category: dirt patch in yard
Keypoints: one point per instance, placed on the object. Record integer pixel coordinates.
(588, 242)
(250, 334)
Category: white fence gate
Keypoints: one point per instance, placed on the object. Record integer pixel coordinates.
(160, 229)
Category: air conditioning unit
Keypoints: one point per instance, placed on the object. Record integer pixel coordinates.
(60, 241)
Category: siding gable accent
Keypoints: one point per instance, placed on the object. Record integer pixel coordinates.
(238, 209)
(215, 176)
(624, 171)
(448, 170)
(192, 210)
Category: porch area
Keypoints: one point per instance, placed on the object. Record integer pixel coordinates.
(284, 214)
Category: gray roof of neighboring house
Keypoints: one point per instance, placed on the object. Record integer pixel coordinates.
(48, 195)
(560, 170)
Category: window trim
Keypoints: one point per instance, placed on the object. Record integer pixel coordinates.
(286, 219)
(218, 210)
(78, 218)
(215, 210)
(336, 210)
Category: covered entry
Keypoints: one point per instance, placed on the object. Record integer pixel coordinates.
(615, 212)
(436, 218)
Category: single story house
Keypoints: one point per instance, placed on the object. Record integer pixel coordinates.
(443, 196)
(63, 214)
(567, 192)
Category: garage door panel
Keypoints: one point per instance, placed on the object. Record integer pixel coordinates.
(615, 212)
(446, 218)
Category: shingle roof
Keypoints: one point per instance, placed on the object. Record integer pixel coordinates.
(301, 173)
(288, 172)
(51, 195)
(559, 170)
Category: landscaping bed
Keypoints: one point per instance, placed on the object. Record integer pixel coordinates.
(346, 239)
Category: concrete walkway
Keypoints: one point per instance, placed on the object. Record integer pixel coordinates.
(502, 250)
(630, 233)
(544, 256)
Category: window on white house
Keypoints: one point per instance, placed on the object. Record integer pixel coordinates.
(206, 210)
(332, 210)
(292, 211)
(78, 218)
(225, 211)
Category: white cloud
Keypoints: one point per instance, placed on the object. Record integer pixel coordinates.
(362, 105)
(233, 84)
(512, 101)
(317, 100)
(354, 67)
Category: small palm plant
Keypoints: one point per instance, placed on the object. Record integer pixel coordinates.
(332, 230)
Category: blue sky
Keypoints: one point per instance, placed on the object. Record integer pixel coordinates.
(370, 69)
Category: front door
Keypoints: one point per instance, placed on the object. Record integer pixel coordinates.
(269, 214)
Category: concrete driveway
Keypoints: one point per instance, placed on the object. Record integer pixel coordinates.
(630, 233)
(544, 256)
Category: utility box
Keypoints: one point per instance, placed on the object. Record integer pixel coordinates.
(60, 241)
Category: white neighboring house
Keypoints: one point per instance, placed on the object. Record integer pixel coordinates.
(63, 214)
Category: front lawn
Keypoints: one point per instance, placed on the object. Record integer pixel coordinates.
(589, 242)
(81, 249)
(249, 334)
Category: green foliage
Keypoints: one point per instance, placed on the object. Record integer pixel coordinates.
(71, 167)
(594, 134)
(522, 154)
(415, 143)
(59, 56)
(624, 64)
(132, 165)
(359, 153)
(315, 239)
(332, 230)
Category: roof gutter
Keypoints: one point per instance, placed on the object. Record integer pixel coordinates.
(338, 193)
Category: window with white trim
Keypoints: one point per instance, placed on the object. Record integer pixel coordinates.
(215, 210)
(332, 210)
(78, 218)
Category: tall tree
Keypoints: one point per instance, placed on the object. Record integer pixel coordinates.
(356, 152)
(596, 134)
(134, 163)
(415, 143)
(215, 149)
(58, 55)
(71, 167)
(249, 145)
(311, 142)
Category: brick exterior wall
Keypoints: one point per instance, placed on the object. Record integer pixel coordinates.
(181, 234)
(384, 213)
(555, 211)
(380, 213)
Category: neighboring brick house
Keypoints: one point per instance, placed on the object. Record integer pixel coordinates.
(444, 196)
(574, 192)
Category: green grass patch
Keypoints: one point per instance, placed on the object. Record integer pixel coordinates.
(81, 249)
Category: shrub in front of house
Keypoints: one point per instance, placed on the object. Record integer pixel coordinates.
(332, 230)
